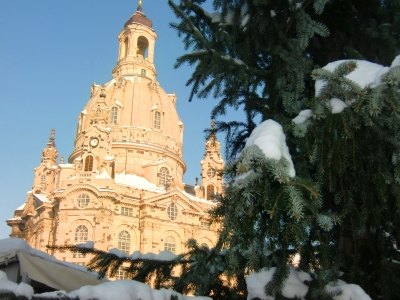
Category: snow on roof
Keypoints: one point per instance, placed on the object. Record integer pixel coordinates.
(10, 246)
(194, 198)
(155, 163)
(164, 255)
(118, 103)
(103, 175)
(127, 290)
(42, 198)
(138, 182)
(15, 218)
(109, 158)
(21, 207)
(270, 138)
(21, 289)
(67, 166)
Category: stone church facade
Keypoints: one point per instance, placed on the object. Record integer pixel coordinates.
(122, 185)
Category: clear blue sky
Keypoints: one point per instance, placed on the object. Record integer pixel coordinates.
(51, 53)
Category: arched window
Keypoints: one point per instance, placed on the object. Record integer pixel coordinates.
(163, 176)
(88, 163)
(43, 178)
(170, 244)
(81, 234)
(82, 201)
(114, 116)
(125, 48)
(210, 191)
(172, 211)
(124, 241)
(143, 72)
(157, 120)
(142, 45)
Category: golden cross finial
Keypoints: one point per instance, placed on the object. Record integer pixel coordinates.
(139, 8)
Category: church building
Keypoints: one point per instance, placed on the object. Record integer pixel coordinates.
(122, 186)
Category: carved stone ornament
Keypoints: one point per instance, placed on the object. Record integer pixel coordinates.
(153, 85)
(156, 226)
(120, 82)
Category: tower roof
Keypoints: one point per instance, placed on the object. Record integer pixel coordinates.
(139, 17)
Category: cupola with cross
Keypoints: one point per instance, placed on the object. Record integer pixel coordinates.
(136, 47)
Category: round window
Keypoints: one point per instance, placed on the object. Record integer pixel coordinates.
(172, 211)
(211, 172)
(82, 201)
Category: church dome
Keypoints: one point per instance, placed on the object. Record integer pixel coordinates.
(140, 18)
(138, 100)
(130, 124)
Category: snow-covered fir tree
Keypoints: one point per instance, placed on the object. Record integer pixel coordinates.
(320, 176)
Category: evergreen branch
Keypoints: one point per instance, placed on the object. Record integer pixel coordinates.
(139, 269)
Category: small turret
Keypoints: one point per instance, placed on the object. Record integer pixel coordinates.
(50, 154)
(46, 171)
(212, 166)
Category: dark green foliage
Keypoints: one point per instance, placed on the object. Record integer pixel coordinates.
(341, 211)
(142, 270)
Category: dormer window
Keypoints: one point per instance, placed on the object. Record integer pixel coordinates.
(157, 120)
(163, 176)
(114, 116)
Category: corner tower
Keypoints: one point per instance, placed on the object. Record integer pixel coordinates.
(130, 125)
(212, 167)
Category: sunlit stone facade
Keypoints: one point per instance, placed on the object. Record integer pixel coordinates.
(122, 186)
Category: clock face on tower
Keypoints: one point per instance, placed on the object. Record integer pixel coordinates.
(94, 142)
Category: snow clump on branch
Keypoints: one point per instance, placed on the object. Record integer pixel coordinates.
(268, 141)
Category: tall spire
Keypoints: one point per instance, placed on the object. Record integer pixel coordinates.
(139, 8)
